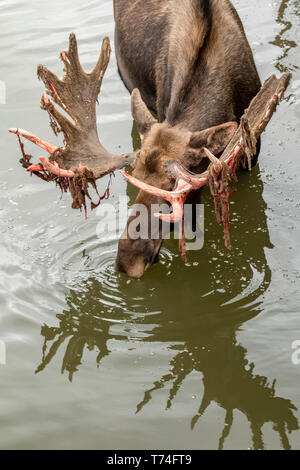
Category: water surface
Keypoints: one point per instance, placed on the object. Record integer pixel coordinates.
(194, 356)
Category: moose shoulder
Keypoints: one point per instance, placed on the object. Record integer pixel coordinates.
(193, 66)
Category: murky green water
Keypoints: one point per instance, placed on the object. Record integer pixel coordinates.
(195, 356)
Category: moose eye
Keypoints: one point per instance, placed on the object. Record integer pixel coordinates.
(152, 160)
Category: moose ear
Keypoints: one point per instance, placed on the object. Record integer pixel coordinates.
(141, 114)
(215, 138)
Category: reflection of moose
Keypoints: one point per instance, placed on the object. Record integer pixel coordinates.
(81, 329)
(228, 380)
(285, 44)
(206, 339)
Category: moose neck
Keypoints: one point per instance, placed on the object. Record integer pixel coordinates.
(199, 110)
(204, 84)
(200, 73)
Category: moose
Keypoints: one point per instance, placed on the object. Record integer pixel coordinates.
(188, 62)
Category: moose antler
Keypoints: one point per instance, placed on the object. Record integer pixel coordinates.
(240, 149)
(83, 159)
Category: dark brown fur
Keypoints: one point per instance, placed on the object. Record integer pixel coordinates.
(193, 66)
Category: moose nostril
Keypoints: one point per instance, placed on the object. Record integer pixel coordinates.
(133, 269)
(136, 256)
(137, 270)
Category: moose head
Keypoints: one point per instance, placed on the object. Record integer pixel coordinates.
(154, 173)
(171, 162)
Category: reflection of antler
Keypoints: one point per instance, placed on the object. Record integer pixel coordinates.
(179, 371)
(242, 390)
(281, 40)
(75, 347)
(82, 330)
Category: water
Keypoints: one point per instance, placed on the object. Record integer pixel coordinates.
(195, 356)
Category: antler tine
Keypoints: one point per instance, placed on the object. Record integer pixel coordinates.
(34, 139)
(65, 124)
(214, 160)
(176, 197)
(103, 61)
(73, 62)
(56, 88)
(77, 92)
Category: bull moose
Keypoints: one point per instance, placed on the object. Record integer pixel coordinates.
(190, 63)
